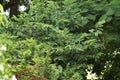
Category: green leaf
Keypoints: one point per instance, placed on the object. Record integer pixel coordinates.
(110, 12)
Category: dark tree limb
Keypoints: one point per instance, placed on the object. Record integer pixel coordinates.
(14, 7)
(1, 1)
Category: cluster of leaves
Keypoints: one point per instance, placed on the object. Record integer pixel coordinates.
(58, 40)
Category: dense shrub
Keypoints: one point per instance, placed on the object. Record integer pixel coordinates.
(59, 40)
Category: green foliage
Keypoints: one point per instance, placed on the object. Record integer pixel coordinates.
(59, 40)
(3, 19)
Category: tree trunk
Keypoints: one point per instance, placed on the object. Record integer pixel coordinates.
(1, 1)
(14, 7)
